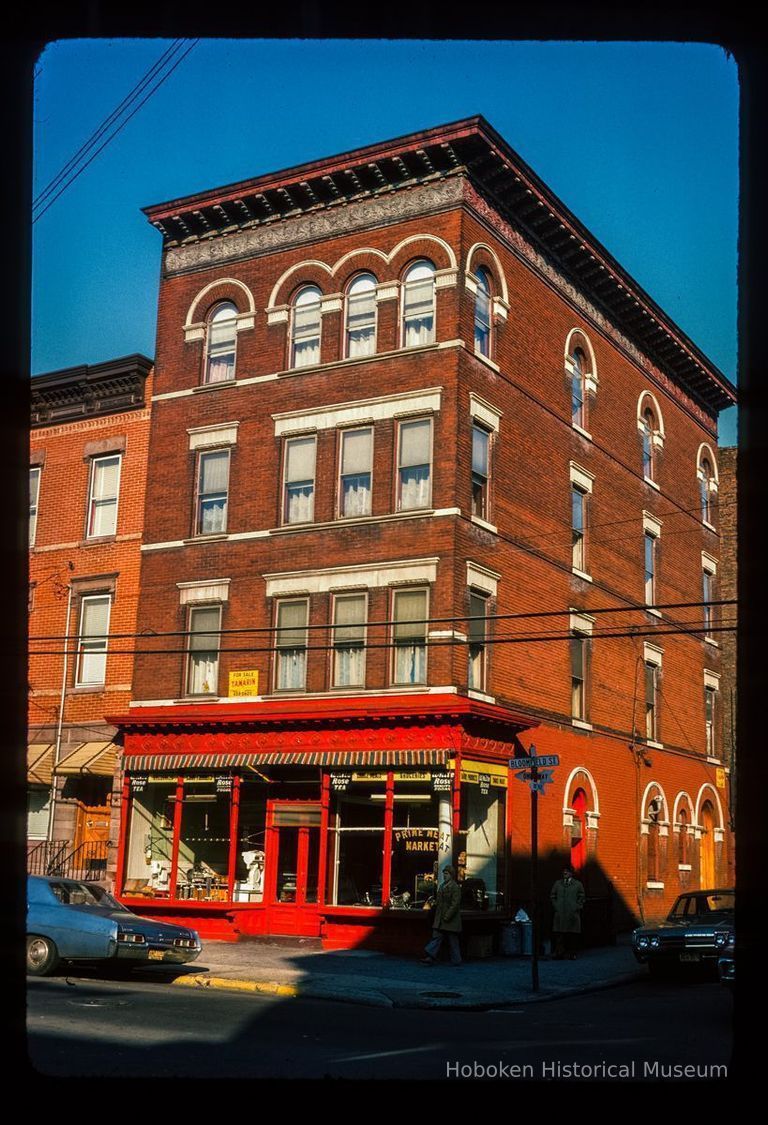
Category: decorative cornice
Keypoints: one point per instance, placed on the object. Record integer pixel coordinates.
(77, 393)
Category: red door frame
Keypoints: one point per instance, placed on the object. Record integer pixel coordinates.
(299, 917)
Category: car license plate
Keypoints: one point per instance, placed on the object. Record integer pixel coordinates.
(690, 956)
(155, 954)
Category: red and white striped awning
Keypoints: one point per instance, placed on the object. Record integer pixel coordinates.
(154, 763)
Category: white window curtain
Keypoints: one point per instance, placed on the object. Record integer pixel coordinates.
(291, 642)
(300, 480)
(306, 327)
(419, 305)
(361, 316)
(213, 485)
(349, 640)
(415, 463)
(356, 461)
(105, 483)
(222, 337)
(204, 640)
(94, 628)
(410, 637)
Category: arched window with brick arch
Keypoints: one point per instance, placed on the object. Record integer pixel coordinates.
(581, 817)
(483, 320)
(418, 310)
(220, 343)
(581, 375)
(360, 328)
(651, 427)
(653, 859)
(683, 838)
(305, 327)
(706, 474)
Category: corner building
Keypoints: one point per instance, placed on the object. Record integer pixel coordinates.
(424, 462)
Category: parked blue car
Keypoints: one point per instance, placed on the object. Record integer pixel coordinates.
(69, 920)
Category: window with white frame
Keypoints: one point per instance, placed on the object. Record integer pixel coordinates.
(356, 465)
(212, 492)
(204, 625)
(409, 635)
(221, 344)
(415, 464)
(578, 528)
(299, 477)
(579, 675)
(649, 579)
(483, 313)
(478, 640)
(710, 695)
(93, 633)
(649, 460)
(34, 492)
(349, 613)
(419, 305)
(707, 490)
(578, 388)
(361, 316)
(652, 660)
(305, 327)
(291, 645)
(481, 470)
(708, 571)
(103, 494)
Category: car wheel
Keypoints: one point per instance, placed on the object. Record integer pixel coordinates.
(42, 956)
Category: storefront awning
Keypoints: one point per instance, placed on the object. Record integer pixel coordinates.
(40, 763)
(90, 757)
(141, 763)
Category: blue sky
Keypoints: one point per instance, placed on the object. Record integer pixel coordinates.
(639, 140)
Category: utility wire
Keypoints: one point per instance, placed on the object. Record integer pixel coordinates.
(112, 136)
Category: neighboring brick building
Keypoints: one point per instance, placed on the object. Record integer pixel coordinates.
(88, 464)
(728, 511)
(418, 444)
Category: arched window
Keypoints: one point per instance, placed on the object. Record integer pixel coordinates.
(682, 839)
(305, 332)
(649, 460)
(419, 305)
(578, 395)
(653, 815)
(361, 316)
(483, 313)
(579, 831)
(706, 476)
(221, 337)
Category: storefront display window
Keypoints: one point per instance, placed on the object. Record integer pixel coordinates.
(355, 840)
(251, 843)
(150, 837)
(481, 845)
(204, 839)
(415, 840)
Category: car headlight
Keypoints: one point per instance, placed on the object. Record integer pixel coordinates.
(723, 938)
(130, 939)
(641, 942)
(655, 942)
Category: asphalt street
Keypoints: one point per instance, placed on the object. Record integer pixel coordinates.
(90, 1026)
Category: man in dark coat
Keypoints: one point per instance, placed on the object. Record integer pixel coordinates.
(447, 920)
(567, 897)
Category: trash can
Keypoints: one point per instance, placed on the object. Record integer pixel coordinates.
(526, 931)
(511, 940)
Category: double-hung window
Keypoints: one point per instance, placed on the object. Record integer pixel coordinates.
(579, 674)
(578, 528)
(204, 626)
(578, 408)
(409, 613)
(291, 645)
(221, 344)
(92, 640)
(34, 492)
(361, 316)
(706, 491)
(710, 694)
(649, 580)
(415, 464)
(483, 313)
(481, 470)
(349, 640)
(708, 571)
(305, 332)
(299, 489)
(648, 428)
(419, 305)
(356, 462)
(212, 492)
(651, 701)
(478, 641)
(103, 494)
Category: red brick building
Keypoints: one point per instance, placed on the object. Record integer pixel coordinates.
(432, 480)
(88, 461)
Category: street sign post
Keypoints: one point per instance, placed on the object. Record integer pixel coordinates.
(536, 771)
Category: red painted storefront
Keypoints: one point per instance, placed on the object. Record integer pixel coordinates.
(317, 818)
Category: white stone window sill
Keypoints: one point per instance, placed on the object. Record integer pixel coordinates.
(714, 761)
(684, 867)
(654, 745)
(581, 574)
(654, 886)
(580, 430)
(484, 524)
(580, 724)
(481, 696)
(218, 537)
(709, 526)
(651, 610)
(488, 362)
(214, 386)
(711, 641)
(652, 483)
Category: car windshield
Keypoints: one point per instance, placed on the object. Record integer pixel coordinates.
(85, 894)
(716, 903)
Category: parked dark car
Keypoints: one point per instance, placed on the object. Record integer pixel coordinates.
(690, 933)
(68, 920)
(725, 941)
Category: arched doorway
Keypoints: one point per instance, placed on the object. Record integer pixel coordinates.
(579, 831)
(707, 876)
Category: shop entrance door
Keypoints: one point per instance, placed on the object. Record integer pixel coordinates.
(292, 868)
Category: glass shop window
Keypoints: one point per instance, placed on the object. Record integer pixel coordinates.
(355, 841)
(204, 840)
(251, 843)
(481, 846)
(150, 838)
(416, 828)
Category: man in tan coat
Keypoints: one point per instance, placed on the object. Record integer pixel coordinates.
(447, 921)
(567, 897)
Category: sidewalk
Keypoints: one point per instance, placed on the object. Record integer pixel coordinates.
(301, 969)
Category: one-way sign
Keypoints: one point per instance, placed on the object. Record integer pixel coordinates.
(534, 762)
